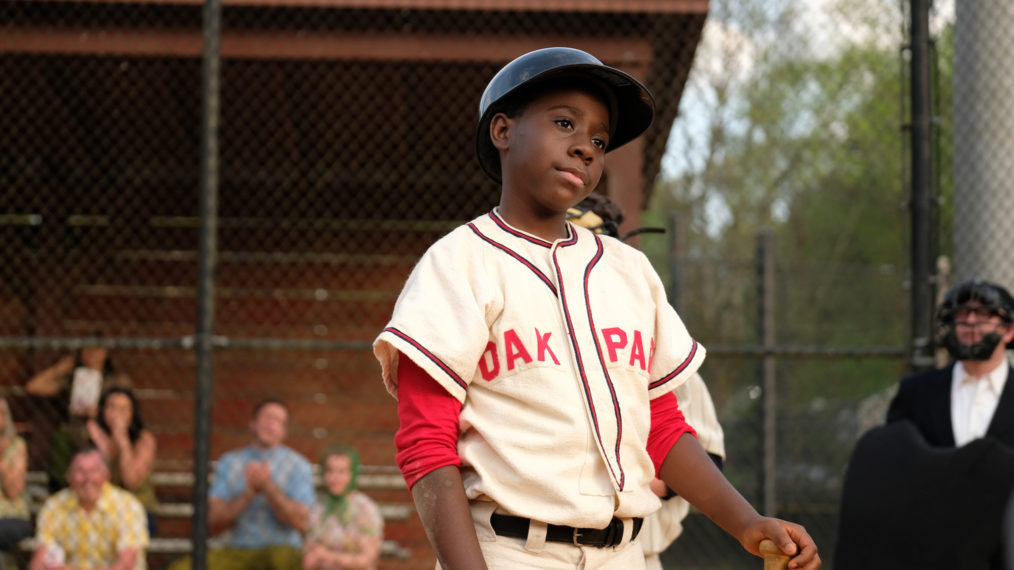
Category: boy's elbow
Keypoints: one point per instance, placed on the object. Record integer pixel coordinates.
(440, 478)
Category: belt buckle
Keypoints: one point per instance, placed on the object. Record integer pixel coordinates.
(577, 537)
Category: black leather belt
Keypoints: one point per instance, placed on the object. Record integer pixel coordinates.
(612, 535)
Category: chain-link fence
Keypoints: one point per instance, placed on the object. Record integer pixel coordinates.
(346, 148)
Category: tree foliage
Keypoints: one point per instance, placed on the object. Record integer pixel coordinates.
(793, 122)
(804, 136)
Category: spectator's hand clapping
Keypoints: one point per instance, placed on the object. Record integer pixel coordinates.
(258, 474)
(314, 557)
(64, 366)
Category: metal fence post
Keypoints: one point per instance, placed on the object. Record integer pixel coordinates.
(206, 280)
(766, 323)
(920, 131)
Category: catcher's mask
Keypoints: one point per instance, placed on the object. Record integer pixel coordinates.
(632, 106)
(981, 296)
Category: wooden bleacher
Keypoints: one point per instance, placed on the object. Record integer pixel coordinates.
(175, 515)
(133, 274)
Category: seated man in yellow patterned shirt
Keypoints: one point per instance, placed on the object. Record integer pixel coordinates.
(91, 524)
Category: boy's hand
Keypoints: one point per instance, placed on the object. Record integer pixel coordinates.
(791, 538)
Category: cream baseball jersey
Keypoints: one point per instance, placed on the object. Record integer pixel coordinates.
(554, 350)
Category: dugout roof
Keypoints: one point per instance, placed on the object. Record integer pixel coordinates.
(298, 71)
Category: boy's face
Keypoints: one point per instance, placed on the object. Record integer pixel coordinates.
(552, 153)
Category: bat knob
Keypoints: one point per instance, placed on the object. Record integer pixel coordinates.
(774, 558)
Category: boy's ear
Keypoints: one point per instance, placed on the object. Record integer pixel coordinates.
(500, 130)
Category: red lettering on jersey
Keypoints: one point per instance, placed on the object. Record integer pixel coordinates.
(489, 367)
(514, 349)
(543, 340)
(651, 354)
(615, 338)
(637, 351)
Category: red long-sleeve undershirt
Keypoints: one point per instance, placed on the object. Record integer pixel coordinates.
(428, 436)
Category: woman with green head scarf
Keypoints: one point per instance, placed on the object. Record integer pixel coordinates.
(346, 528)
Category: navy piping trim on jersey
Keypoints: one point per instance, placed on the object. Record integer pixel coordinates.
(680, 368)
(605, 371)
(572, 239)
(503, 226)
(520, 258)
(433, 358)
(536, 240)
(580, 363)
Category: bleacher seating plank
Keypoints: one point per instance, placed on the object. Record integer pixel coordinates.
(175, 516)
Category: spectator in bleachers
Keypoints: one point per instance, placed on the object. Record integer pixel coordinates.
(73, 384)
(263, 493)
(91, 524)
(15, 521)
(346, 528)
(119, 433)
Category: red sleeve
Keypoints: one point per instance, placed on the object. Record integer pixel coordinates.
(667, 425)
(428, 436)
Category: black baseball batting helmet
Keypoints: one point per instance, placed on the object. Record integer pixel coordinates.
(990, 297)
(632, 106)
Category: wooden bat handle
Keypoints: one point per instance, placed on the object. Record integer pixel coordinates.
(774, 559)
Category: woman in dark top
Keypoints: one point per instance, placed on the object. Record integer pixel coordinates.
(73, 384)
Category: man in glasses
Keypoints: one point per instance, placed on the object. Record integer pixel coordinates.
(929, 489)
(972, 397)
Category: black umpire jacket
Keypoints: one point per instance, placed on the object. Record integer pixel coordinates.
(912, 501)
(924, 398)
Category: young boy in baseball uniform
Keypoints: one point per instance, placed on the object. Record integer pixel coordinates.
(534, 361)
